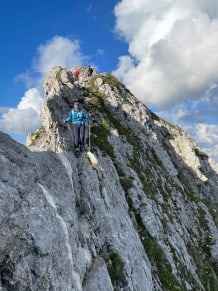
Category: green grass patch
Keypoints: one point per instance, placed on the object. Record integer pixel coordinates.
(212, 211)
(158, 259)
(126, 183)
(112, 81)
(144, 176)
(58, 75)
(206, 267)
(99, 138)
(36, 135)
(115, 267)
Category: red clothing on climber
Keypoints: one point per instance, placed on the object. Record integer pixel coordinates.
(76, 74)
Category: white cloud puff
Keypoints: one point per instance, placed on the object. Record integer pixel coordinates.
(172, 48)
(24, 118)
(58, 51)
(172, 61)
(207, 133)
(20, 121)
(31, 100)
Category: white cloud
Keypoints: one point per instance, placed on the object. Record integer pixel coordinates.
(172, 48)
(206, 136)
(3, 109)
(58, 51)
(25, 117)
(212, 151)
(203, 110)
(20, 121)
(29, 80)
(31, 99)
(207, 133)
(199, 119)
(172, 61)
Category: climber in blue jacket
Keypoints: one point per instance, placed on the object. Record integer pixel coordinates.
(77, 115)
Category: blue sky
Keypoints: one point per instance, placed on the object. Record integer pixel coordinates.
(165, 52)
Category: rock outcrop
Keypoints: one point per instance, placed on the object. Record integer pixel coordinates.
(145, 219)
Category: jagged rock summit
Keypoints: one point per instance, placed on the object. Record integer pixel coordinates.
(145, 219)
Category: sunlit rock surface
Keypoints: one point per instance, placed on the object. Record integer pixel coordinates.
(145, 219)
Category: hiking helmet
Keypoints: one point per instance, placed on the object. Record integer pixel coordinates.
(76, 103)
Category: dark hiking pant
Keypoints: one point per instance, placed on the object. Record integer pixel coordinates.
(79, 135)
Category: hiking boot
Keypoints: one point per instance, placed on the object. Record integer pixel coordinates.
(77, 153)
(81, 149)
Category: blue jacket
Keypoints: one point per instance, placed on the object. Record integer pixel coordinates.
(77, 116)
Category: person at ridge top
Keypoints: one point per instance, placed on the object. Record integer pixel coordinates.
(76, 74)
(78, 116)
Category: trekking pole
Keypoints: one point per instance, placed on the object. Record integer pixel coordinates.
(89, 135)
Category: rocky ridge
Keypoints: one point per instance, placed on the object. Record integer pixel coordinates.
(145, 220)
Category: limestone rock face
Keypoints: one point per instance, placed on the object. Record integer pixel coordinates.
(144, 219)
